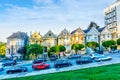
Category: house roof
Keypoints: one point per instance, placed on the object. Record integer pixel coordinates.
(19, 35)
(86, 30)
(63, 33)
(77, 30)
(101, 29)
(49, 34)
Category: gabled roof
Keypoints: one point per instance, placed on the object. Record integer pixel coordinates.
(73, 32)
(64, 33)
(86, 30)
(19, 35)
(101, 29)
(49, 34)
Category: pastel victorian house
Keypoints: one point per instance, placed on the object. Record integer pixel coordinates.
(49, 39)
(64, 39)
(35, 38)
(105, 34)
(77, 36)
(92, 35)
(16, 44)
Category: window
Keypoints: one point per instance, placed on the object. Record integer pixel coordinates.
(81, 38)
(49, 34)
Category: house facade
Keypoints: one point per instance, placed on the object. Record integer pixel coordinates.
(77, 36)
(35, 38)
(64, 39)
(92, 35)
(49, 39)
(105, 34)
(16, 44)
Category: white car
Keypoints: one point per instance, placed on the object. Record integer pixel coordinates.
(96, 55)
(103, 58)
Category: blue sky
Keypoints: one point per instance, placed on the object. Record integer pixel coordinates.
(44, 15)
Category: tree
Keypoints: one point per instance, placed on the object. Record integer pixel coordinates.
(2, 48)
(34, 49)
(118, 41)
(55, 49)
(77, 47)
(92, 45)
(81, 46)
(62, 48)
(93, 24)
(22, 50)
(109, 43)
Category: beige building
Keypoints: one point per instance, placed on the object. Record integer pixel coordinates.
(35, 38)
(64, 39)
(49, 39)
(112, 19)
(16, 44)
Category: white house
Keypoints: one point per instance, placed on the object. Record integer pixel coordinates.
(105, 34)
(92, 34)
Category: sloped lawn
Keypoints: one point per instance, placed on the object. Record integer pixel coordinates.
(109, 72)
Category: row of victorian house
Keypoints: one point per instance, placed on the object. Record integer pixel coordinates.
(18, 40)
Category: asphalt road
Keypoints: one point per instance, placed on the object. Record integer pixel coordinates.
(28, 64)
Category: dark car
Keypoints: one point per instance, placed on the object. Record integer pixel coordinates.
(62, 63)
(40, 66)
(16, 69)
(84, 60)
(40, 60)
(74, 56)
(9, 63)
(53, 58)
(103, 58)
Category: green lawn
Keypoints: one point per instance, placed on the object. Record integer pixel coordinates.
(109, 72)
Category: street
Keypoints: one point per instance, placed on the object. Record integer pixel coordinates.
(28, 64)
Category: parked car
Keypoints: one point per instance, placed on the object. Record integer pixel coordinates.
(62, 63)
(53, 58)
(40, 60)
(40, 66)
(96, 55)
(16, 69)
(114, 51)
(84, 60)
(9, 62)
(103, 58)
(74, 56)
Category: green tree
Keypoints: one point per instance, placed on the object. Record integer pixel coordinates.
(81, 46)
(118, 41)
(2, 48)
(109, 43)
(34, 49)
(77, 47)
(62, 48)
(55, 49)
(92, 45)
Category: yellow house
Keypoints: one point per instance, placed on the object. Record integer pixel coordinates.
(35, 38)
(77, 36)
